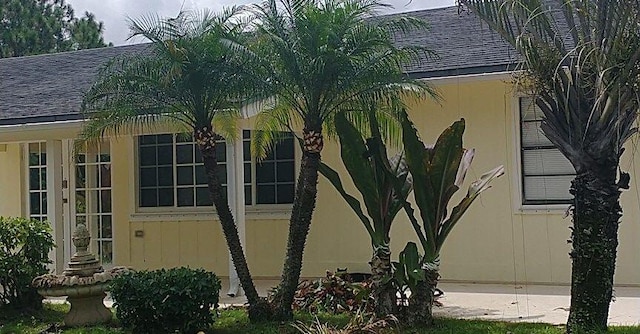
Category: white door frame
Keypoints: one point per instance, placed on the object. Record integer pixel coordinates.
(70, 167)
(54, 201)
(67, 156)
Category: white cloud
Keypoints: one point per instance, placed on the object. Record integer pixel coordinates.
(114, 12)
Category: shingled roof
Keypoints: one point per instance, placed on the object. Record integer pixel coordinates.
(48, 88)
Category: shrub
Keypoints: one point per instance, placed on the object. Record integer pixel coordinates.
(360, 323)
(334, 294)
(24, 254)
(165, 301)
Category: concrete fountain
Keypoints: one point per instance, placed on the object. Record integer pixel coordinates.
(84, 282)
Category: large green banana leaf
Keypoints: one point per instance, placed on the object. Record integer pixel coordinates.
(438, 173)
(375, 178)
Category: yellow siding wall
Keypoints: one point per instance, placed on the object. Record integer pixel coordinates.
(495, 242)
(166, 241)
(10, 180)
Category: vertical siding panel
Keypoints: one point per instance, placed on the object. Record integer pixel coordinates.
(11, 186)
(137, 254)
(170, 244)
(153, 245)
(188, 244)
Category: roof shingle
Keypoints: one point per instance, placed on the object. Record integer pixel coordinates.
(47, 88)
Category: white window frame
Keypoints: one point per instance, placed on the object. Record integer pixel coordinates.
(254, 207)
(164, 209)
(523, 206)
(27, 180)
(196, 213)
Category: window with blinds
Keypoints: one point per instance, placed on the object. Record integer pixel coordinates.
(546, 173)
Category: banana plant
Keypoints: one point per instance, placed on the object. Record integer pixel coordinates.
(384, 185)
(438, 172)
(407, 272)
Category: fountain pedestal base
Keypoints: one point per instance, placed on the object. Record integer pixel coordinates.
(87, 310)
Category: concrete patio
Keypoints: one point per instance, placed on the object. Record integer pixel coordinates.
(517, 303)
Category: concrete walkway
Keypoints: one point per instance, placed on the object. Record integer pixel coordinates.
(521, 303)
(527, 303)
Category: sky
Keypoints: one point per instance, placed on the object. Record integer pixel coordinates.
(114, 12)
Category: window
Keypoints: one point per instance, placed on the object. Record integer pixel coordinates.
(37, 158)
(272, 180)
(171, 172)
(546, 173)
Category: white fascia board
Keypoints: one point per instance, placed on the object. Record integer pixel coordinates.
(504, 75)
(40, 131)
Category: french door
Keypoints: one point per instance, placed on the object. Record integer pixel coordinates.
(87, 171)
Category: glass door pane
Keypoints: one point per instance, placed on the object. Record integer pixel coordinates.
(93, 198)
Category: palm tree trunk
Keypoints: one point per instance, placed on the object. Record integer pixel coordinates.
(420, 310)
(303, 206)
(594, 237)
(259, 310)
(384, 293)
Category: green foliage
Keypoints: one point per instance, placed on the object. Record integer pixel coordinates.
(193, 77)
(375, 177)
(324, 58)
(332, 294)
(235, 320)
(29, 27)
(327, 57)
(195, 74)
(582, 60)
(164, 301)
(408, 270)
(86, 33)
(24, 254)
(438, 172)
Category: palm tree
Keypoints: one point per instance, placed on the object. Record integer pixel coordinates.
(581, 59)
(193, 74)
(324, 58)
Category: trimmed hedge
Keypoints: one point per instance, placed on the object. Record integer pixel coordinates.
(166, 301)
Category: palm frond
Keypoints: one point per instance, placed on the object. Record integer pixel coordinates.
(271, 125)
(194, 74)
(583, 60)
(225, 123)
(327, 57)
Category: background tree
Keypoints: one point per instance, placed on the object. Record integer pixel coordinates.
(324, 58)
(29, 27)
(194, 75)
(581, 59)
(86, 33)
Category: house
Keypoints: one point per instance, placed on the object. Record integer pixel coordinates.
(144, 200)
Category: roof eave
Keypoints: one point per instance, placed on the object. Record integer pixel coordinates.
(464, 71)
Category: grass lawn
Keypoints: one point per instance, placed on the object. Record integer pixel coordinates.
(235, 321)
